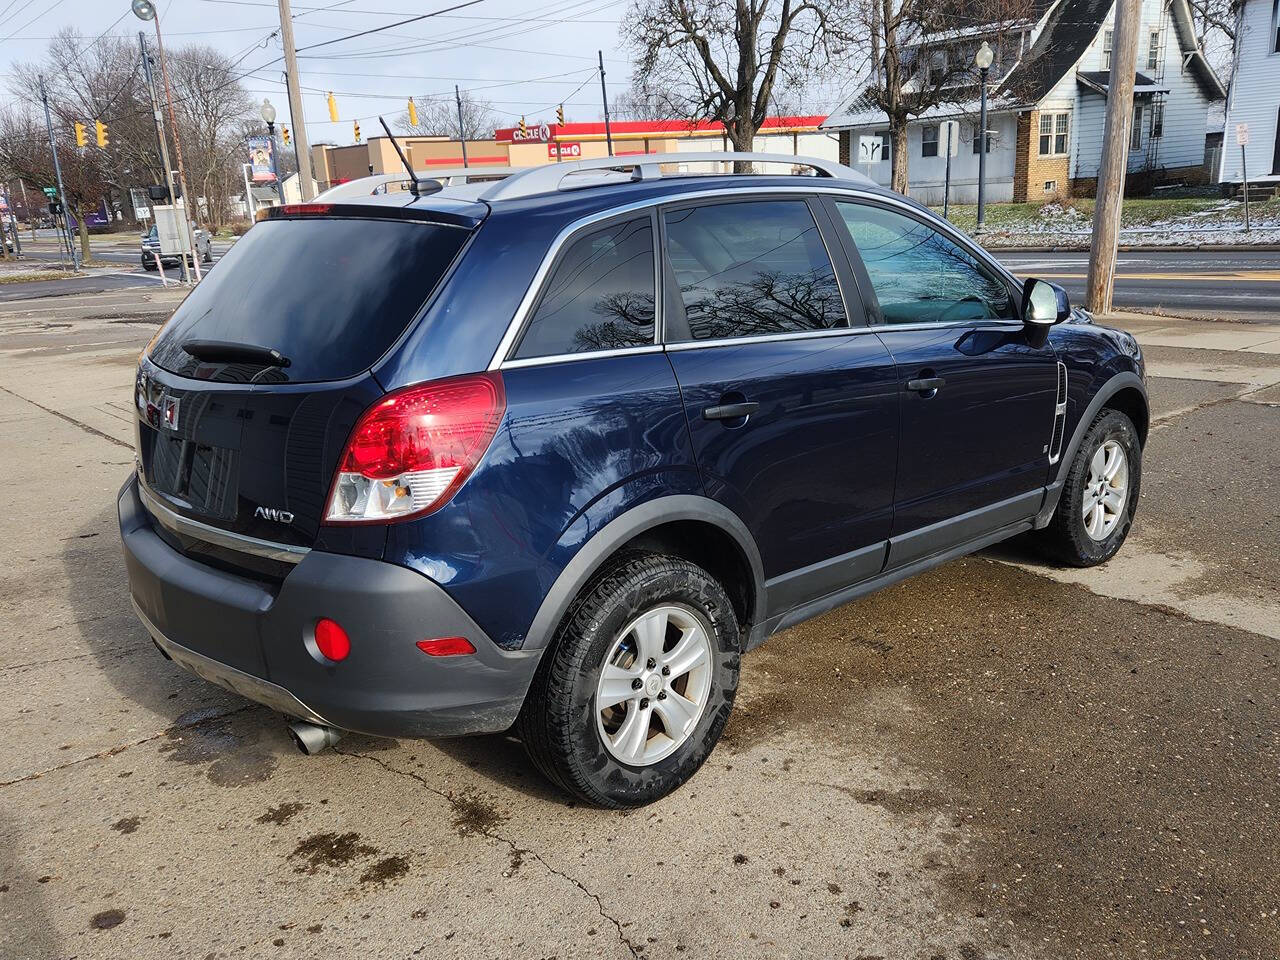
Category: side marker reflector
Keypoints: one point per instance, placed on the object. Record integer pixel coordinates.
(446, 646)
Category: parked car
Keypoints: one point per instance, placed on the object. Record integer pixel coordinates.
(151, 246)
(552, 454)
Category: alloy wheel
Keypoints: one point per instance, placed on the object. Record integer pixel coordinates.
(654, 685)
(1106, 492)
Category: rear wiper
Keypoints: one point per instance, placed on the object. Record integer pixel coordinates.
(215, 351)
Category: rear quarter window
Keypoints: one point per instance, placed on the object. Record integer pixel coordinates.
(331, 295)
(600, 295)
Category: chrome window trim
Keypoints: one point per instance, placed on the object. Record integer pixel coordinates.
(768, 338)
(187, 527)
(583, 355)
(516, 324)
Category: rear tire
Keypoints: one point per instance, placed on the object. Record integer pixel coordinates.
(653, 620)
(1096, 510)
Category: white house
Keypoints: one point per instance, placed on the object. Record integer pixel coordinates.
(1047, 93)
(1255, 96)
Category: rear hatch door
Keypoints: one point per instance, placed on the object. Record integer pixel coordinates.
(249, 393)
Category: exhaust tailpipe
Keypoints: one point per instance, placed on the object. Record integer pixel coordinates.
(310, 738)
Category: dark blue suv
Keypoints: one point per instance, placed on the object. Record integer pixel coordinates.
(552, 452)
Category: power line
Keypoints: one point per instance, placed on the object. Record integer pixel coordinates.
(398, 23)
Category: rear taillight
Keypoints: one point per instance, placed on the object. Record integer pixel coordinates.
(412, 450)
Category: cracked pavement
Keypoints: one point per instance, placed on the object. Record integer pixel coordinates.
(998, 759)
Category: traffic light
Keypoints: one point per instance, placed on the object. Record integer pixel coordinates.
(413, 113)
(101, 129)
(355, 125)
(524, 129)
(333, 108)
(284, 132)
(82, 138)
(560, 114)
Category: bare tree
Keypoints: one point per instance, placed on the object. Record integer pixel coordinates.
(212, 109)
(25, 155)
(917, 63)
(726, 60)
(438, 117)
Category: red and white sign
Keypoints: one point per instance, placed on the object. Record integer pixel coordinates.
(1242, 134)
(536, 134)
(571, 150)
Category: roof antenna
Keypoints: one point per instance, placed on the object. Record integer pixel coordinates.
(414, 187)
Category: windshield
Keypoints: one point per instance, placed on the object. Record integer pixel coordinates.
(330, 295)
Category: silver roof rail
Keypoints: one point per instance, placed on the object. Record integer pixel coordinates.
(450, 176)
(550, 177)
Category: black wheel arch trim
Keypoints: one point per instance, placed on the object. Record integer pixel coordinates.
(593, 554)
(1124, 380)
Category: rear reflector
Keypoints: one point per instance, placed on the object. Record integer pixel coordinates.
(411, 451)
(446, 646)
(331, 640)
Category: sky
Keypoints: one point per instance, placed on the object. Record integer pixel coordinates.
(522, 57)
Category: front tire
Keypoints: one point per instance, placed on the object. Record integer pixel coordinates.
(1099, 496)
(638, 683)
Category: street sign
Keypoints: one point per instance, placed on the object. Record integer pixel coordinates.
(949, 134)
(870, 148)
(1242, 134)
(50, 191)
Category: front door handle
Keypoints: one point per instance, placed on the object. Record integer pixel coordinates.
(730, 411)
(926, 385)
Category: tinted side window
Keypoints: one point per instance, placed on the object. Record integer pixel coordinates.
(750, 269)
(600, 297)
(921, 276)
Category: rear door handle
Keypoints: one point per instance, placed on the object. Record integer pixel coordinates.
(926, 385)
(730, 411)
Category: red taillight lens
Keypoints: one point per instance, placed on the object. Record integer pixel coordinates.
(446, 646)
(331, 640)
(412, 450)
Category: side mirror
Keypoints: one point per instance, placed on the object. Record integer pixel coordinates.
(1044, 303)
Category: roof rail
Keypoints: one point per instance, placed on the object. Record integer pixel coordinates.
(550, 177)
(450, 177)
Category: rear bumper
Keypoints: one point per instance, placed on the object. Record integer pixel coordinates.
(248, 636)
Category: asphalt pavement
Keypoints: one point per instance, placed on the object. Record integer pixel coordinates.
(1222, 284)
(998, 760)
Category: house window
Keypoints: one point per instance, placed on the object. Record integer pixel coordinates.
(1051, 186)
(977, 140)
(929, 141)
(1135, 142)
(1108, 41)
(1275, 27)
(937, 68)
(1153, 51)
(886, 146)
(1055, 134)
(1157, 120)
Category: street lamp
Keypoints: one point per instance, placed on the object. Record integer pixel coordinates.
(268, 114)
(982, 59)
(146, 10)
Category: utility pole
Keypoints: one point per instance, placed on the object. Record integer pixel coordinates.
(160, 138)
(302, 144)
(57, 170)
(1115, 158)
(604, 95)
(462, 131)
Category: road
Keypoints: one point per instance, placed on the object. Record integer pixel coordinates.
(1000, 759)
(1240, 285)
(1219, 285)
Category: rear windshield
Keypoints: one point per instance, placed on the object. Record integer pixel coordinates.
(331, 295)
